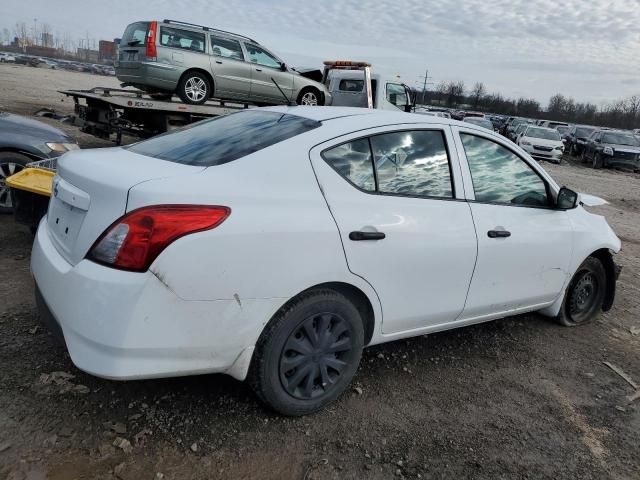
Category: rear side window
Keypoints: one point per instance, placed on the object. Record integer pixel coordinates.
(185, 39)
(135, 34)
(224, 139)
(351, 85)
(227, 48)
(409, 163)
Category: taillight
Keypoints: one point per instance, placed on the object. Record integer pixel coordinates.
(135, 240)
(151, 50)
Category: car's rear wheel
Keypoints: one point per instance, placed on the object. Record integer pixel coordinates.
(310, 97)
(585, 294)
(194, 88)
(308, 353)
(10, 164)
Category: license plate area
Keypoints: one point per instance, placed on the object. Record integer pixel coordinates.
(129, 56)
(67, 209)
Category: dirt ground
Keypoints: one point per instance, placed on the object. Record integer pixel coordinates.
(511, 399)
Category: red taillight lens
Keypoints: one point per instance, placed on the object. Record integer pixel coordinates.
(134, 241)
(151, 50)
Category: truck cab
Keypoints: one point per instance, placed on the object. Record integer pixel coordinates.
(351, 84)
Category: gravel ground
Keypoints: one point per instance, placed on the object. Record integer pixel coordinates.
(515, 398)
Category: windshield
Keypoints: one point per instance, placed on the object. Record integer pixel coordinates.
(620, 139)
(135, 34)
(543, 133)
(225, 138)
(583, 132)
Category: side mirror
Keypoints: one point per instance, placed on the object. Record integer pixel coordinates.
(567, 199)
(283, 67)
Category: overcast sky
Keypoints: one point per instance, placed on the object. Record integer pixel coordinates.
(587, 49)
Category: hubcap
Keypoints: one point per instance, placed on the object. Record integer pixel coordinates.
(6, 170)
(309, 98)
(583, 297)
(315, 356)
(195, 89)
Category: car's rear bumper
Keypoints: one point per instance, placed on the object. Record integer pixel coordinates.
(125, 325)
(151, 74)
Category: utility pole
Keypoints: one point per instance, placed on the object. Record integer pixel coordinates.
(425, 83)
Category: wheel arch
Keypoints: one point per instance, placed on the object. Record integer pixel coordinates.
(32, 154)
(611, 270)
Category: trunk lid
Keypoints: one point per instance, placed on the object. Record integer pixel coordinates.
(90, 192)
(131, 51)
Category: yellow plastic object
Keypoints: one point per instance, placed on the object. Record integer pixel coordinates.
(34, 180)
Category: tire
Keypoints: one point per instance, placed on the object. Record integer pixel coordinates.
(194, 88)
(573, 151)
(161, 96)
(597, 161)
(293, 370)
(583, 156)
(585, 294)
(10, 163)
(310, 97)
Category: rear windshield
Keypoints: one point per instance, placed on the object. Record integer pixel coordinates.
(135, 34)
(226, 138)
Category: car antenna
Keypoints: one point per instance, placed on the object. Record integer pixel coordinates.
(290, 103)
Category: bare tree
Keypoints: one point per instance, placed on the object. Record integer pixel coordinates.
(22, 32)
(46, 35)
(477, 93)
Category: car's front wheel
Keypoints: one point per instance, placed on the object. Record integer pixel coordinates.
(194, 88)
(10, 164)
(597, 161)
(585, 294)
(308, 353)
(310, 97)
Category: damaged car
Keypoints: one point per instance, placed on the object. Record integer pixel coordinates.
(274, 244)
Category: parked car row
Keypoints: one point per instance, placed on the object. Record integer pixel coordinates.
(55, 63)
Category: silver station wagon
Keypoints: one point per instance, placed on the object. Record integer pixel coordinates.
(197, 63)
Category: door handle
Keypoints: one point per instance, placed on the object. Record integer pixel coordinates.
(360, 236)
(218, 61)
(258, 69)
(498, 234)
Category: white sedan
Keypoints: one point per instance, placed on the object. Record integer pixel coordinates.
(542, 143)
(274, 244)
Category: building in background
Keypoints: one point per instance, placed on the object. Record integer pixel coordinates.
(47, 39)
(106, 51)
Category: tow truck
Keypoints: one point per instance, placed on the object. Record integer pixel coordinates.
(112, 112)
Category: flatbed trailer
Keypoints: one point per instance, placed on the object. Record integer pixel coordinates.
(112, 112)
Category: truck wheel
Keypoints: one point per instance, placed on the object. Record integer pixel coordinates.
(308, 353)
(585, 294)
(310, 97)
(10, 163)
(194, 88)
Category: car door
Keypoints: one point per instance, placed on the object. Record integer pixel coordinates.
(394, 193)
(592, 145)
(265, 68)
(231, 73)
(524, 244)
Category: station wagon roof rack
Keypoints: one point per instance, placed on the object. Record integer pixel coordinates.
(207, 29)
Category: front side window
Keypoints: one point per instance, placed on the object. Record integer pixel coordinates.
(225, 138)
(226, 47)
(411, 163)
(261, 57)
(397, 94)
(185, 39)
(501, 176)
